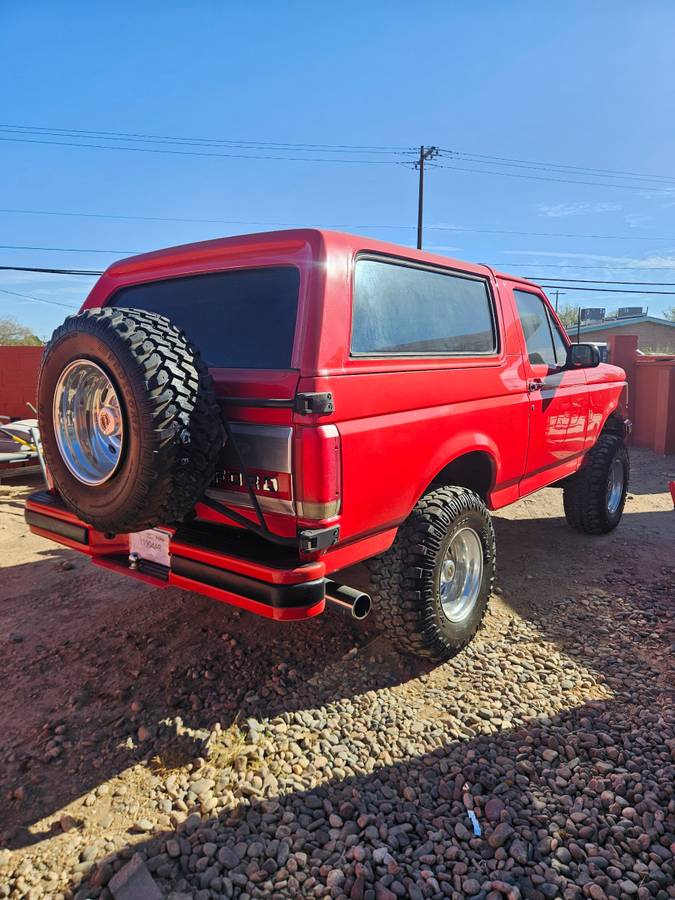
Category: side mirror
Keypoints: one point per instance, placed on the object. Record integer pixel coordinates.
(582, 356)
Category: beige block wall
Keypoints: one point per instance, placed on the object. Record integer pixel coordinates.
(651, 335)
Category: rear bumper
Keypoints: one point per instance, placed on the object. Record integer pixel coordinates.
(227, 565)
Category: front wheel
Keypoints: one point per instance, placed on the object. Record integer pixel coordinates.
(594, 498)
(431, 588)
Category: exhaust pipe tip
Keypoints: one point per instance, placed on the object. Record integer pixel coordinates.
(361, 607)
(356, 604)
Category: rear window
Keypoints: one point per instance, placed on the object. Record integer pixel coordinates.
(242, 319)
(405, 310)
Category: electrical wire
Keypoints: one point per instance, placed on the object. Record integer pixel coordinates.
(304, 146)
(374, 162)
(598, 281)
(49, 271)
(67, 249)
(38, 299)
(632, 187)
(282, 145)
(551, 167)
(542, 281)
(273, 153)
(450, 228)
(608, 290)
(611, 268)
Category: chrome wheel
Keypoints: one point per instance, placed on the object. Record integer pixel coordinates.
(461, 575)
(615, 482)
(88, 423)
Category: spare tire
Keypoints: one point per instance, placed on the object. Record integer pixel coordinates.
(128, 417)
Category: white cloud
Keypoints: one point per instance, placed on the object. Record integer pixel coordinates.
(580, 208)
(635, 220)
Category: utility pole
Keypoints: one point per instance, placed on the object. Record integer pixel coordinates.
(557, 294)
(425, 153)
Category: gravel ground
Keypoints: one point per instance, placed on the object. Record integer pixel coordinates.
(234, 757)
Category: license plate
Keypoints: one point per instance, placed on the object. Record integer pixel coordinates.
(151, 545)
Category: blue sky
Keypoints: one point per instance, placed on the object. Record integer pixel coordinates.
(577, 84)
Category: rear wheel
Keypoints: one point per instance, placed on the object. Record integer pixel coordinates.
(431, 589)
(594, 498)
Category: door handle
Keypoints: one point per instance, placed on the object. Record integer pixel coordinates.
(535, 385)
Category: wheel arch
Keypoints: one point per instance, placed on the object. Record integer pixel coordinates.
(615, 423)
(475, 469)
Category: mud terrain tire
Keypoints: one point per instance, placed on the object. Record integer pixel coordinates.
(171, 428)
(406, 579)
(586, 495)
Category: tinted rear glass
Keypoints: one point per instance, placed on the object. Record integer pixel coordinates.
(400, 309)
(243, 319)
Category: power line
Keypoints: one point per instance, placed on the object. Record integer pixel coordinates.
(67, 249)
(460, 229)
(540, 279)
(134, 136)
(551, 167)
(202, 153)
(304, 146)
(598, 281)
(93, 136)
(609, 290)
(38, 299)
(513, 265)
(631, 187)
(50, 271)
(374, 162)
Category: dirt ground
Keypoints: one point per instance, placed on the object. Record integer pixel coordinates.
(109, 686)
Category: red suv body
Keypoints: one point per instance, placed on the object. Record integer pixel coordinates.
(355, 376)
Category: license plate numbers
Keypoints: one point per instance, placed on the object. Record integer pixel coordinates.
(151, 545)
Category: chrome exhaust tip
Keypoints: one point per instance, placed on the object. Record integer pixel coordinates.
(352, 602)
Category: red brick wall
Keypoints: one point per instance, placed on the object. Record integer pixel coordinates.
(18, 380)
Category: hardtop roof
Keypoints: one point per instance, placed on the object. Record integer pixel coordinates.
(322, 242)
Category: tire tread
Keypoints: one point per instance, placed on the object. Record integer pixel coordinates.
(584, 494)
(402, 578)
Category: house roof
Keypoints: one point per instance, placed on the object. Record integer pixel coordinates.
(616, 323)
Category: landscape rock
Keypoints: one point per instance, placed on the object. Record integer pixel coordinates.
(134, 882)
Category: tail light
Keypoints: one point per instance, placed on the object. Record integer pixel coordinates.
(317, 472)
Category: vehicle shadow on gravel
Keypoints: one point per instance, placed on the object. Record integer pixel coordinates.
(146, 690)
(143, 693)
(558, 803)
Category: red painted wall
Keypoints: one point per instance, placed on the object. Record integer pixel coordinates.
(651, 393)
(18, 380)
(655, 400)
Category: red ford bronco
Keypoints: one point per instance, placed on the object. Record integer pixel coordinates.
(246, 417)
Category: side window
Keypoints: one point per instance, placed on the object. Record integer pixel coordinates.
(558, 342)
(403, 310)
(536, 328)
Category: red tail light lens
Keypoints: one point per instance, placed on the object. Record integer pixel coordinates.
(317, 472)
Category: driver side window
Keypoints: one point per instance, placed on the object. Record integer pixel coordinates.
(545, 345)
